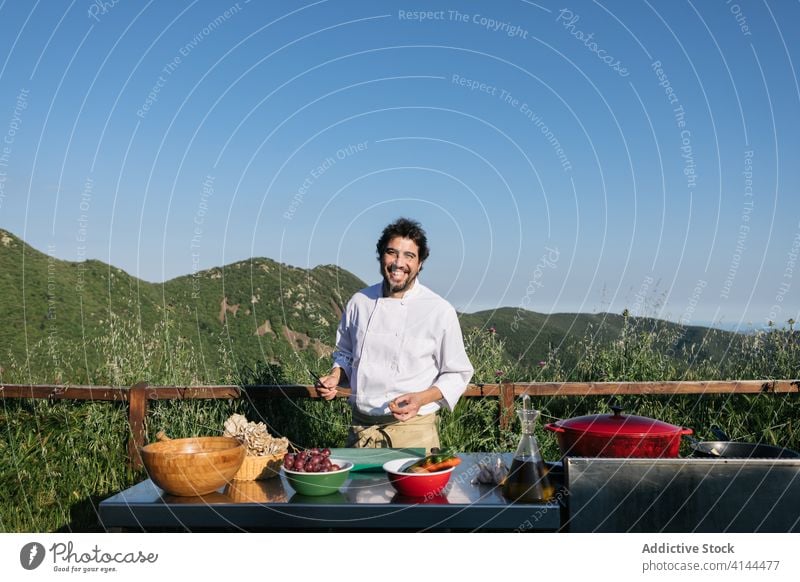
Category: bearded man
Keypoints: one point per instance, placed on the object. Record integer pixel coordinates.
(400, 349)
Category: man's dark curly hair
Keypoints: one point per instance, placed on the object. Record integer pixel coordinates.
(406, 228)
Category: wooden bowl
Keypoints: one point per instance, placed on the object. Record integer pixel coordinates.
(193, 466)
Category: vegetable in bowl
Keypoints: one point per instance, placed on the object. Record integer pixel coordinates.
(438, 461)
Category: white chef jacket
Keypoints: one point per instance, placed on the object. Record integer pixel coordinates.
(388, 347)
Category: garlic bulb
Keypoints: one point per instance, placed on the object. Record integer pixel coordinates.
(491, 475)
(499, 472)
(484, 476)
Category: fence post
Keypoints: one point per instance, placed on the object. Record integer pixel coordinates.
(137, 412)
(506, 404)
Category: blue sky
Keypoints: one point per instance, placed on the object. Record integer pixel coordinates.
(581, 156)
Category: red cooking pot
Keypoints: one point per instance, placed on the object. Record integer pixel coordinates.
(617, 435)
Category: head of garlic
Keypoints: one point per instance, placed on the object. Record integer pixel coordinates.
(499, 471)
(491, 474)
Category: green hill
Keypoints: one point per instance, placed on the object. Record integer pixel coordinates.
(530, 336)
(85, 321)
(258, 309)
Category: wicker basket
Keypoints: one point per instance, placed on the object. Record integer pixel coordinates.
(256, 468)
(256, 492)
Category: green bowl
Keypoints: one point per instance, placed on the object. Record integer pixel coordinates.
(316, 484)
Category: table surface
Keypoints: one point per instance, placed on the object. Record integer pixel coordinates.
(367, 501)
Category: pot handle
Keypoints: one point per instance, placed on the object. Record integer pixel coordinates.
(720, 434)
(692, 441)
(553, 427)
(161, 436)
(686, 431)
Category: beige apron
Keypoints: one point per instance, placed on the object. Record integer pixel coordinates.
(380, 432)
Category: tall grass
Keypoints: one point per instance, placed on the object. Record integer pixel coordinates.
(648, 350)
(59, 459)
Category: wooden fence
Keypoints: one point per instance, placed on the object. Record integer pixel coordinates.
(138, 395)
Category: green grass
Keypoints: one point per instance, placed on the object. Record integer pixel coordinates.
(59, 459)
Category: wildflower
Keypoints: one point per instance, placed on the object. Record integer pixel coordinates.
(492, 330)
(498, 373)
(542, 363)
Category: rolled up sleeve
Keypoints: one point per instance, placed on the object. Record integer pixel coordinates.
(343, 354)
(455, 369)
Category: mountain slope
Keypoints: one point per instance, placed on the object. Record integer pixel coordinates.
(256, 310)
(530, 336)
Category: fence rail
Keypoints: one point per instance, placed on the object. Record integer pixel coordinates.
(138, 395)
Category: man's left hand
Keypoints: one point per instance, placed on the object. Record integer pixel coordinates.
(406, 406)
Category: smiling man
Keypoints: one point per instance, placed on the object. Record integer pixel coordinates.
(400, 348)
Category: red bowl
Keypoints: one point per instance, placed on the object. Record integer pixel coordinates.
(416, 484)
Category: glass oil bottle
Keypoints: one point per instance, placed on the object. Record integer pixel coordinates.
(527, 480)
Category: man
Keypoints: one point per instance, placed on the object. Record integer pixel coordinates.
(399, 346)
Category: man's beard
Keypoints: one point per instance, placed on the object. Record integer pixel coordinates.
(391, 287)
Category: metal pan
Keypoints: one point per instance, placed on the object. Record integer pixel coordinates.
(734, 450)
(727, 449)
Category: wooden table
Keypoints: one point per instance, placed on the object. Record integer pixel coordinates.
(366, 502)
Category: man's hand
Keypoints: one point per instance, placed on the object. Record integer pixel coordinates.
(407, 406)
(326, 387)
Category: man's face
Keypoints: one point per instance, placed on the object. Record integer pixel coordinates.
(400, 266)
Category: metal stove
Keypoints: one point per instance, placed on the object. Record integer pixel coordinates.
(681, 495)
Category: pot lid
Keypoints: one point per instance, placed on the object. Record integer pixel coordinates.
(619, 424)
